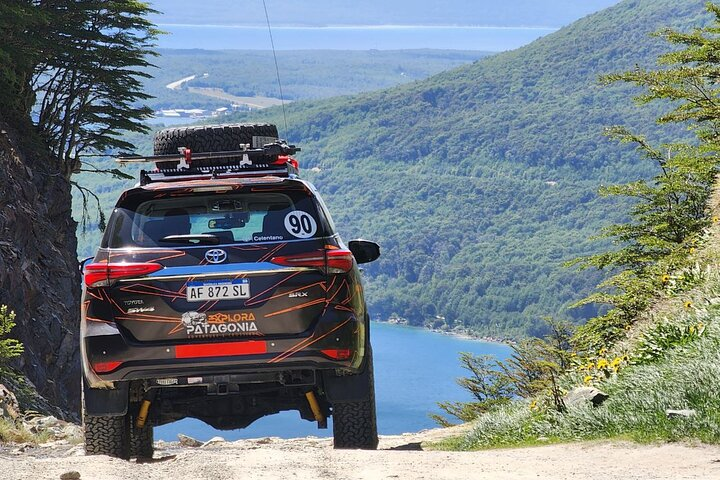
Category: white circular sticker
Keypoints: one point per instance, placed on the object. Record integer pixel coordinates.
(300, 224)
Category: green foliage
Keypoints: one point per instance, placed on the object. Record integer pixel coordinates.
(683, 378)
(487, 383)
(18, 52)
(532, 370)
(11, 432)
(671, 348)
(670, 211)
(9, 348)
(536, 364)
(665, 336)
(88, 82)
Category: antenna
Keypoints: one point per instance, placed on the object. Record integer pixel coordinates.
(277, 69)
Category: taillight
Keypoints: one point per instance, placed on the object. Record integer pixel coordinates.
(339, 261)
(337, 353)
(329, 261)
(105, 367)
(102, 274)
(314, 260)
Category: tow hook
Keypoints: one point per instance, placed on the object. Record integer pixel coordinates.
(315, 407)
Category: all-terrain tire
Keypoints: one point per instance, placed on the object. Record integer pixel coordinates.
(355, 423)
(141, 442)
(213, 138)
(107, 436)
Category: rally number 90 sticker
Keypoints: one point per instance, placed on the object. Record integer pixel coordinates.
(300, 224)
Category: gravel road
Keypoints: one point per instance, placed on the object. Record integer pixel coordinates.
(398, 457)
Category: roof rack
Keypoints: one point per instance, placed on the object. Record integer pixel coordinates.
(271, 159)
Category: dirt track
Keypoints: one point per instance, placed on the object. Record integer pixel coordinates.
(399, 457)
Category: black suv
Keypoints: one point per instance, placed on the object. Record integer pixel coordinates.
(221, 291)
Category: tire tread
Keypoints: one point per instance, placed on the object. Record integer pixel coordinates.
(212, 138)
(107, 436)
(355, 423)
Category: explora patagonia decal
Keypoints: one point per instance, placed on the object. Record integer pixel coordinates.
(201, 324)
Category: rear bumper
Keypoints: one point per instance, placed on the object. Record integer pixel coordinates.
(108, 357)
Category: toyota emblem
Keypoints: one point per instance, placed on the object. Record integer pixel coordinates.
(216, 255)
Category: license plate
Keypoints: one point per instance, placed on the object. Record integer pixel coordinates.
(218, 290)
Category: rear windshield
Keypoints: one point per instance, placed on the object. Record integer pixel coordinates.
(214, 218)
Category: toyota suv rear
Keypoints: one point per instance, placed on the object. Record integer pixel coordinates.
(221, 291)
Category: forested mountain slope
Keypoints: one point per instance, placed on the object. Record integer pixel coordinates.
(479, 182)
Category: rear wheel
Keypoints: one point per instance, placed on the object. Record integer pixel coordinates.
(355, 423)
(141, 441)
(107, 436)
(216, 138)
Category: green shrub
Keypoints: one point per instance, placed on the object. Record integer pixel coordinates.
(664, 336)
(9, 348)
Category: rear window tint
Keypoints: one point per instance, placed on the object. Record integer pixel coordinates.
(230, 217)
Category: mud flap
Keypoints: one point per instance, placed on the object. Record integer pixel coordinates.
(347, 388)
(106, 402)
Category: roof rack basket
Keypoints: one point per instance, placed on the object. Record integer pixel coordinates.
(272, 159)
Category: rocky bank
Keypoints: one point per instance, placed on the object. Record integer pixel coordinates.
(39, 276)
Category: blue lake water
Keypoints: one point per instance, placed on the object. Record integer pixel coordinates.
(387, 37)
(414, 369)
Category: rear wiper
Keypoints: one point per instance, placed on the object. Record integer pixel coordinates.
(199, 239)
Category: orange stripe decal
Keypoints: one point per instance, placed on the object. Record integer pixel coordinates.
(304, 344)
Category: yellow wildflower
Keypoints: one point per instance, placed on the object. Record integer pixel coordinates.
(691, 329)
(602, 363)
(533, 405)
(602, 351)
(590, 366)
(688, 304)
(616, 361)
(716, 219)
(665, 278)
(692, 250)
(587, 379)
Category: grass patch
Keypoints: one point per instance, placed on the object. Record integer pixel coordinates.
(683, 378)
(12, 433)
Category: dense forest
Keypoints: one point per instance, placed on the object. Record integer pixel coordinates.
(482, 181)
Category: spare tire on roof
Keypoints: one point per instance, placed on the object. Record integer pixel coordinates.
(210, 138)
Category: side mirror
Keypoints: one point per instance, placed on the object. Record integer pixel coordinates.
(364, 251)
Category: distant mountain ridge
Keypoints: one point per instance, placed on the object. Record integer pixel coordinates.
(552, 13)
(480, 181)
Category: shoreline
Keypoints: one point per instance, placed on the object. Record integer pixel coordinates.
(460, 334)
